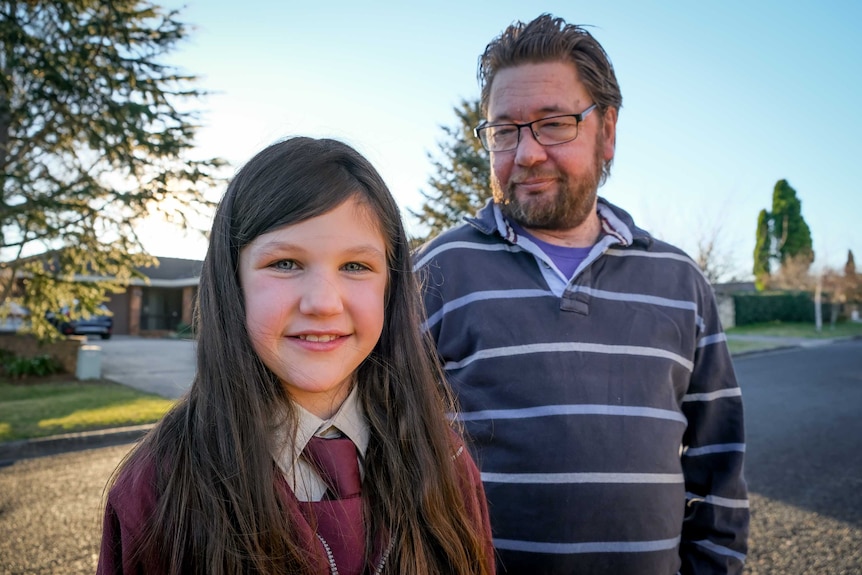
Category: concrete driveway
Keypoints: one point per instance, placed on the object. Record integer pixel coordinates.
(162, 366)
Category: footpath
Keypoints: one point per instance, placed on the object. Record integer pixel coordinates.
(166, 368)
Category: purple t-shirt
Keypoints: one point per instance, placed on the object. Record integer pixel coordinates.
(566, 259)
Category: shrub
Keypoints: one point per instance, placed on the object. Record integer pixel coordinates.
(5, 355)
(38, 366)
(765, 307)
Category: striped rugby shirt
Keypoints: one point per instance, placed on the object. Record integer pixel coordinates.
(603, 410)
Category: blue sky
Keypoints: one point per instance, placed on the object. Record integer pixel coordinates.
(720, 100)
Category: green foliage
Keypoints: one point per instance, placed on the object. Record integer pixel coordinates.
(461, 184)
(774, 306)
(782, 235)
(762, 249)
(852, 281)
(789, 227)
(185, 330)
(5, 356)
(95, 132)
(20, 367)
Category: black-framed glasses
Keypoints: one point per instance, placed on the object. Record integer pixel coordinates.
(547, 131)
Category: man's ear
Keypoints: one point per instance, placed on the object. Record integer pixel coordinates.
(609, 129)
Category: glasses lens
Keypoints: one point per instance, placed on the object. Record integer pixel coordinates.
(500, 138)
(556, 130)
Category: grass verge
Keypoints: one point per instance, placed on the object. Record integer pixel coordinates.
(736, 346)
(779, 329)
(31, 410)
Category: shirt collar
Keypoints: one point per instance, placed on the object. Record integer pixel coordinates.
(612, 224)
(349, 420)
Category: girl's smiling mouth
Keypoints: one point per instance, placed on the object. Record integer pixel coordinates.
(318, 338)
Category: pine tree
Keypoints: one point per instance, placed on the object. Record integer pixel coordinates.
(461, 184)
(852, 279)
(762, 251)
(783, 237)
(789, 227)
(95, 131)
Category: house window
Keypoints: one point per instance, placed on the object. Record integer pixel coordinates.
(161, 308)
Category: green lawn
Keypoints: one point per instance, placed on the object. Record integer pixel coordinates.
(778, 329)
(737, 347)
(41, 409)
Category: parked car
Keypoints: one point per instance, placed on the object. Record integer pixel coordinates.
(101, 324)
(13, 317)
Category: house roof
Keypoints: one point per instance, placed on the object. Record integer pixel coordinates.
(173, 272)
(170, 272)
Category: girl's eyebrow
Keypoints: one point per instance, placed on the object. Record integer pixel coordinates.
(368, 251)
(276, 248)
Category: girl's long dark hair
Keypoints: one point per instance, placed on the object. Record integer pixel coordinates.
(218, 510)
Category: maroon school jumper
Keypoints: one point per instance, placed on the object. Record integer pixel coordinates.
(132, 500)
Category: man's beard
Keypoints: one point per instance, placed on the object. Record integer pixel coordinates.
(570, 206)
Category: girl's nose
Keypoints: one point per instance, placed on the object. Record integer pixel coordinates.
(321, 296)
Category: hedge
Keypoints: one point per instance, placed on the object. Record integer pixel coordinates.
(765, 307)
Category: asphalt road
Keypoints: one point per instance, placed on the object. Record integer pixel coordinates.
(804, 470)
(50, 512)
(804, 459)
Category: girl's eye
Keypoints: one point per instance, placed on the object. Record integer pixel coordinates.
(355, 267)
(287, 265)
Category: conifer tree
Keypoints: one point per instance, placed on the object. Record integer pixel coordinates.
(782, 237)
(852, 279)
(762, 252)
(789, 228)
(850, 266)
(461, 184)
(95, 134)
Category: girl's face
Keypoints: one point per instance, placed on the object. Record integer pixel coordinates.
(314, 295)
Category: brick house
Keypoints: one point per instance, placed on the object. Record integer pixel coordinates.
(160, 305)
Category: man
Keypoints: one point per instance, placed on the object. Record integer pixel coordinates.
(592, 372)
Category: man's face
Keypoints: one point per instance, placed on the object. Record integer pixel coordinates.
(548, 187)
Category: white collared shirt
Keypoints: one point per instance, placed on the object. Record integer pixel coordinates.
(349, 421)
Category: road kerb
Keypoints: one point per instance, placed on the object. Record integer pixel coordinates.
(11, 451)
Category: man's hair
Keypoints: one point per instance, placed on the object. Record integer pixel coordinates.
(219, 510)
(549, 39)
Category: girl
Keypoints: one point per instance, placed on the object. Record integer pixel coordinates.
(308, 324)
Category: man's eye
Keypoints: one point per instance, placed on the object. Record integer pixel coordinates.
(503, 131)
(560, 124)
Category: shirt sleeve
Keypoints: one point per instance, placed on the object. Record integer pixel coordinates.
(715, 530)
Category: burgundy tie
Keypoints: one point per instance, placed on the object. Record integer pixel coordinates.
(335, 460)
